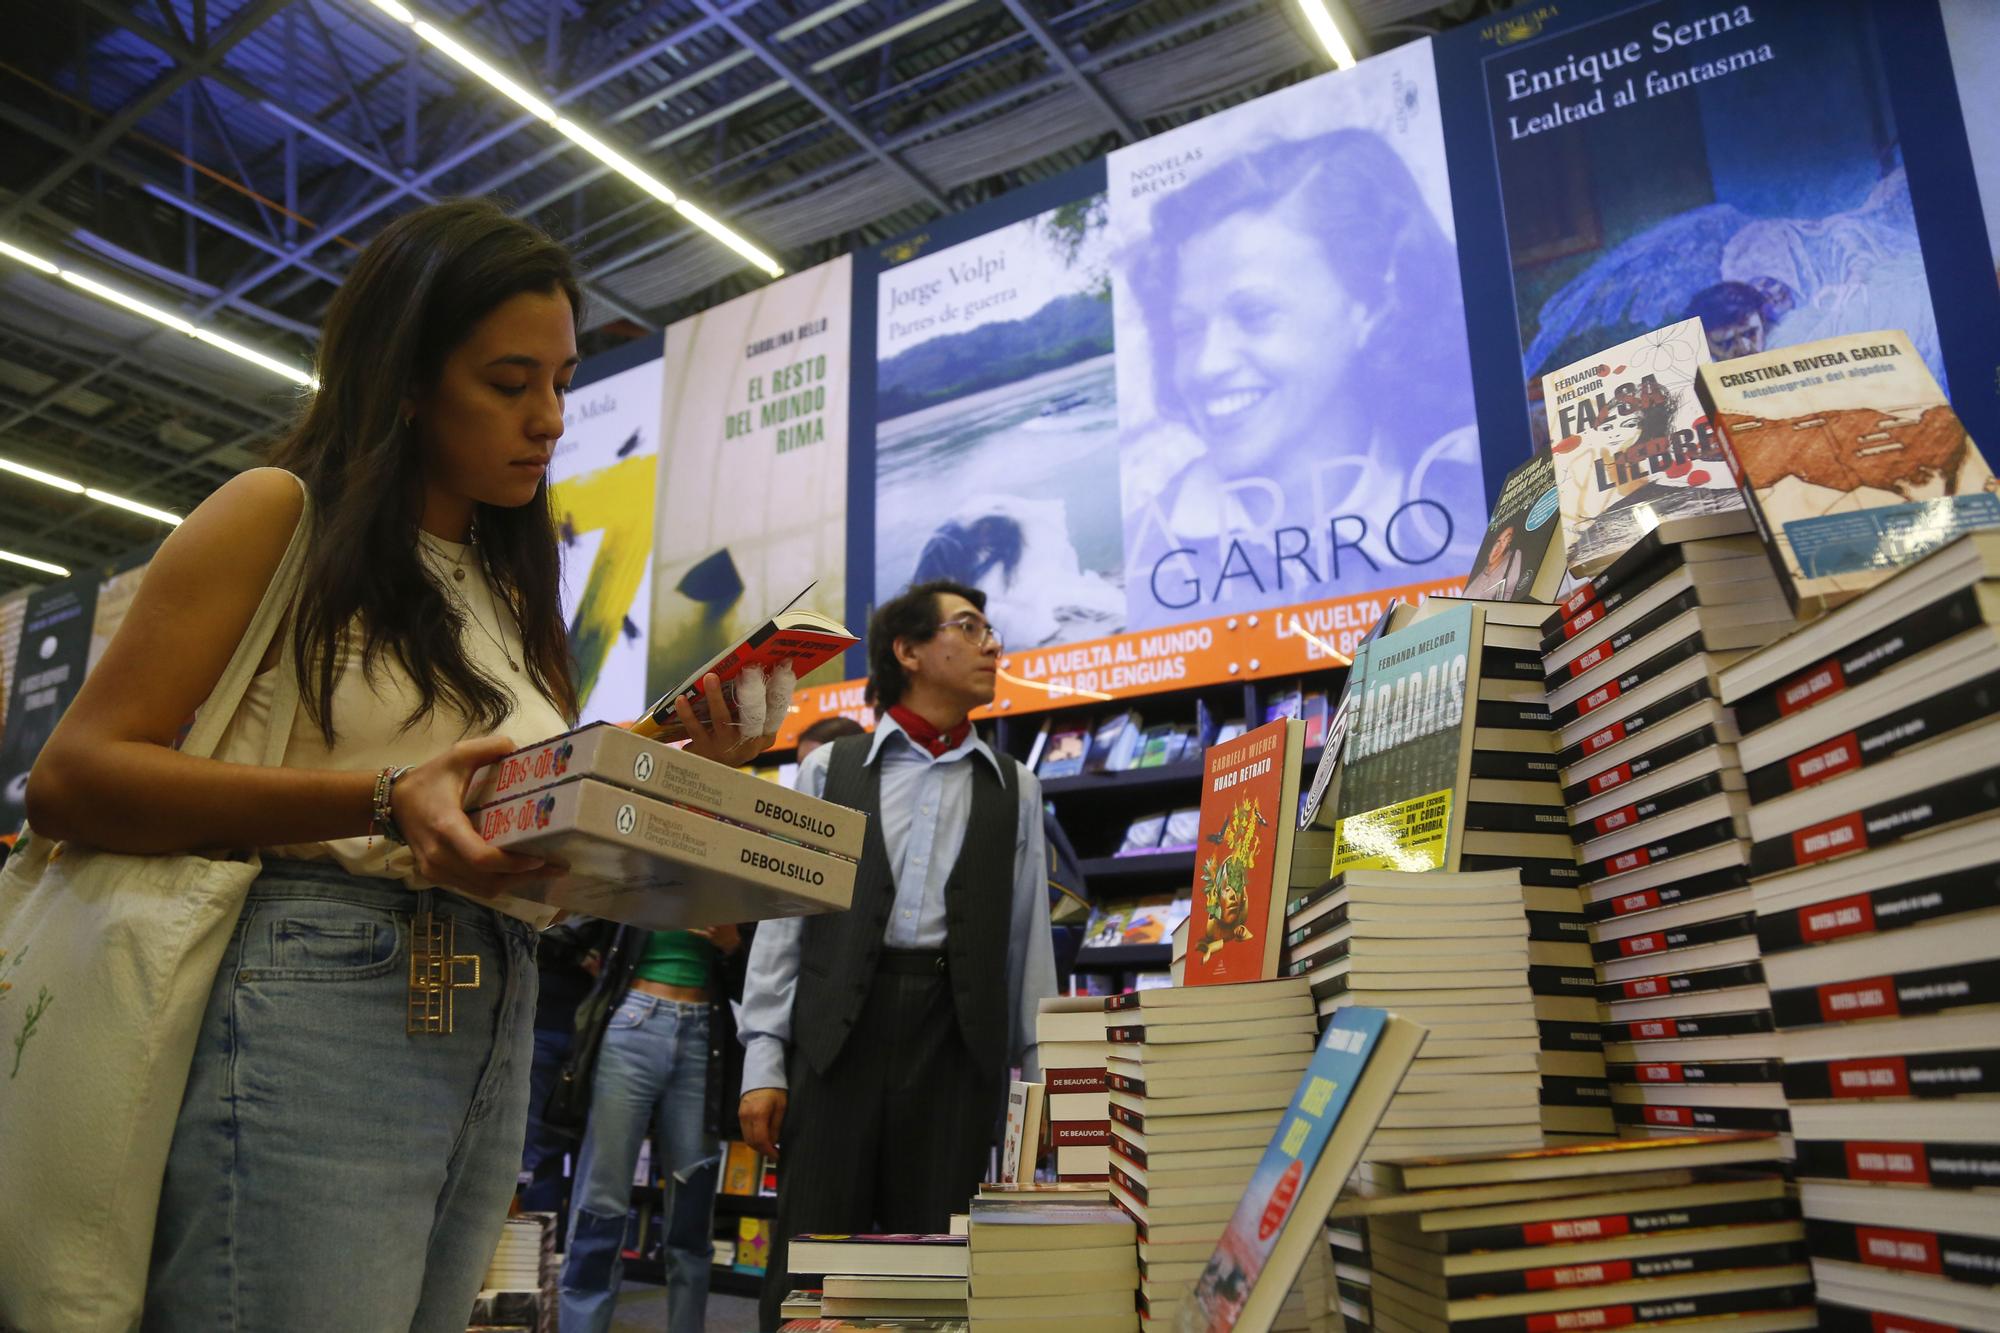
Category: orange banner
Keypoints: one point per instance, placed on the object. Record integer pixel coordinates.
(1256, 645)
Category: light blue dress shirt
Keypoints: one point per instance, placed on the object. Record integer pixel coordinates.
(925, 805)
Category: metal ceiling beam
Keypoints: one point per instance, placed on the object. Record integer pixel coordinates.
(852, 128)
(150, 482)
(1128, 130)
(208, 58)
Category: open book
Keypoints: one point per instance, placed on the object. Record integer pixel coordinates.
(806, 639)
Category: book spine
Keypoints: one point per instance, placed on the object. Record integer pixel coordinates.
(1512, 715)
(1689, 1073)
(1860, 661)
(1958, 1257)
(1662, 942)
(1535, 871)
(1079, 1133)
(1928, 1074)
(1703, 1117)
(1563, 1277)
(1574, 1037)
(1613, 690)
(1715, 882)
(1789, 1297)
(1882, 910)
(1515, 766)
(1561, 673)
(1746, 1023)
(1668, 801)
(1619, 775)
(1563, 981)
(1560, 1091)
(1613, 1226)
(1719, 424)
(1634, 724)
(1878, 825)
(1944, 1165)
(1060, 1081)
(1666, 849)
(1682, 983)
(1929, 990)
(1606, 594)
(1501, 817)
(1881, 738)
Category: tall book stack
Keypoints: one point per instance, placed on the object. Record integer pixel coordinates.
(1657, 809)
(1873, 761)
(1199, 1078)
(920, 1279)
(1515, 793)
(1069, 1030)
(1698, 1232)
(1049, 1267)
(1449, 951)
(519, 1290)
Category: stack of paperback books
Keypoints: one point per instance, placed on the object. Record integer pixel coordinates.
(1656, 806)
(1874, 774)
(1052, 1267)
(1697, 1232)
(1070, 1033)
(1199, 1078)
(870, 1278)
(1449, 951)
(1515, 795)
(649, 835)
(520, 1286)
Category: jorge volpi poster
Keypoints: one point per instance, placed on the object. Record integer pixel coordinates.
(602, 482)
(1294, 393)
(997, 444)
(1735, 163)
(753, 468)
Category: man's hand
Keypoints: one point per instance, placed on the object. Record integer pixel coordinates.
(725, 937)
(762, 1113)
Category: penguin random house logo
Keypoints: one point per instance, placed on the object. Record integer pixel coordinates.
(628, 819)
(1519, 27)
(642, 768)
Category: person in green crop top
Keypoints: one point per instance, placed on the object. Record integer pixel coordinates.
(652, 1075)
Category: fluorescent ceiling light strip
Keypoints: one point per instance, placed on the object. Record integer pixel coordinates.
(36, 474)
(159, 315)
(33, 563)
(90, 492)
(120, 502)
(474, 63)
(1323, 27)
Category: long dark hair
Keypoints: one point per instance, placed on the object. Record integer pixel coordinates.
(414, 295)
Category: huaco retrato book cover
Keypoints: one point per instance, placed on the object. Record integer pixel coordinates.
(1632, 445)
(1853, 461)
(1243, 850)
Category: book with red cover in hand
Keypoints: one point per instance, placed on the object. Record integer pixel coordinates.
(1361, 1060)
(1249, 805)
(796, 637)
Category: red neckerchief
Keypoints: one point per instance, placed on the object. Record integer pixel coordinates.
(928, 738)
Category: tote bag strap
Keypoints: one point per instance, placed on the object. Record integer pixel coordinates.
(280, 595)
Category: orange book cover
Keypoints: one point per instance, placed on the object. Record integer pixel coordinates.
(1249, 809)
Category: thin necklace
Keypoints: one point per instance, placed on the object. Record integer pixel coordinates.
(458, 575)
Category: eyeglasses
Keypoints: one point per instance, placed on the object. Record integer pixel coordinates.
(977, 632)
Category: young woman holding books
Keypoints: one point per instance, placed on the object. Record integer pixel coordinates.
(352, 1122)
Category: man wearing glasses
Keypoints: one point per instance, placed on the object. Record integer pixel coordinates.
(878, 1040)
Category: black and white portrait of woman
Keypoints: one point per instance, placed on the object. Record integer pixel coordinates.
(1295, 401)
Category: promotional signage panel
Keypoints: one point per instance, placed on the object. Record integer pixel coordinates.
(752, 486)
(996, 433)
(48, 671)
(1295, 402)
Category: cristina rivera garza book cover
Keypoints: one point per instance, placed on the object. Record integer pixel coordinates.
(1249, 800)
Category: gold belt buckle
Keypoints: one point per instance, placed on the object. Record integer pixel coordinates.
(436, 974)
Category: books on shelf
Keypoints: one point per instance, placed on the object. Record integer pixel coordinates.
(1852, 460)
(1115, 744)
(1520, 559)
(1142, 836)
(1064, 754)
(1182, 830)
(1632, 446)
(1249, 800)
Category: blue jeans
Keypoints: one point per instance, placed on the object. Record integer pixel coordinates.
(327, 1169)
(542, 1158)
(652, 1072)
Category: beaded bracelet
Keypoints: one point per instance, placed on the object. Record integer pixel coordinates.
(384, 818)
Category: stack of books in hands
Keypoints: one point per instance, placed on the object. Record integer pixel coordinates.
(1069, 1031)
(1657, 809)
(1874, 775)
(648, 835)
(919, 1281)
(1697, 1232)
(1449, 951)
(520, 1286)
(1199, 1078)
(1047, 1265)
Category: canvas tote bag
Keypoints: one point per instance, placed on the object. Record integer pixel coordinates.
(108, 961)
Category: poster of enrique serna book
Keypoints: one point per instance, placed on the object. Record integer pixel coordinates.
(753, 468)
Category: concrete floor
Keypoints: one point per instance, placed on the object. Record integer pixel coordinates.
(642, 1308)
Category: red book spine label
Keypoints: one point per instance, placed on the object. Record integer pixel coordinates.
(1809, 687)
(1582, 621)
(1577, 1275)
(1635, 945)
(1079, 1133)
(1579, 599)
(1889, 1247)
(1667, 1073)
(1614, 821)
(1828, 839)
(1590, 659)
(1888, 1076)
(1900, 1323)
(1635, 902)
(1682, 1116)
(1611, 735)
(1635, 859)
(1828, 759)
(1597, 698)
(1609, 778)
(1831, 921)
(1564, 1321)
(1901, 1163)
(1074, 1080)
(1871, 997)
(1656, 1029)
(1646, 988)
(1574, 1229)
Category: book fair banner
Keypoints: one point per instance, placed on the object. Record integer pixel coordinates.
(49, 667)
